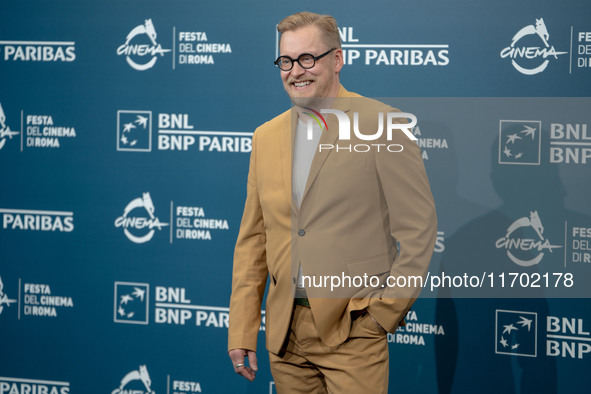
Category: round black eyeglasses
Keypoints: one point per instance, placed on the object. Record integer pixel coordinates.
(305, 60)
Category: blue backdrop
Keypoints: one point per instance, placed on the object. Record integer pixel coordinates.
(125, 132)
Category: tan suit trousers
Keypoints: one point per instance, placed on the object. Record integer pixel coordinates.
(307, 366)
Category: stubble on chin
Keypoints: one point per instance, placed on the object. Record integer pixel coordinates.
(311, 102)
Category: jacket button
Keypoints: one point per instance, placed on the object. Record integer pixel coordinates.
(301, 233)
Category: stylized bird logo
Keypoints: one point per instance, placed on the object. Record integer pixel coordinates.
(139, 293)
(512, 137)
(531, 131)
(142, 121)
(509, 328)
(525, 322)
(128, 126)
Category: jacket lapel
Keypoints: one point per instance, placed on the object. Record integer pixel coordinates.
(286, 141)
(329, 136)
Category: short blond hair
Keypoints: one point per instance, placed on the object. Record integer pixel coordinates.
(326, 23)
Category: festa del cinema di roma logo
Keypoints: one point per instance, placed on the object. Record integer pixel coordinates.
(515, 245)
(529, 56)
(142, 377)
(136, 54)
(136, 226)
(5, 132)
(4, 300)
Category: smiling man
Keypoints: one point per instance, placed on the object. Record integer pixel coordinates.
(302, 79)
(328, 228)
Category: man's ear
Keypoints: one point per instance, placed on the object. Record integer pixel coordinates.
(339, 61)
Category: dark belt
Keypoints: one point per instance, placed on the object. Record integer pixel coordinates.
(302, 302)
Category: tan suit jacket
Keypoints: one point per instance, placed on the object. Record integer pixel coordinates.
(369, 213)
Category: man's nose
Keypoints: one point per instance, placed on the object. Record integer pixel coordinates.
(297, 69)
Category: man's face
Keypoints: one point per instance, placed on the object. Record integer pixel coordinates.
(322, 80)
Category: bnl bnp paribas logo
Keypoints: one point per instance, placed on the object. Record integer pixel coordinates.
(134, 131)
(516, 333)
(169, 305)
(358, 51)
(131, 303)
(141, 50)
(38, 51)
(530, 51)
(139, 221)
(525, 242)
(175, 133)
(520, 142)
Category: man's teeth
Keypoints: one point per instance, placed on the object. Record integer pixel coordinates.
(300, 84)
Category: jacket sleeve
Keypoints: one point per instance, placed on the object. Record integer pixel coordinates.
(413, 226)
(249, 275)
